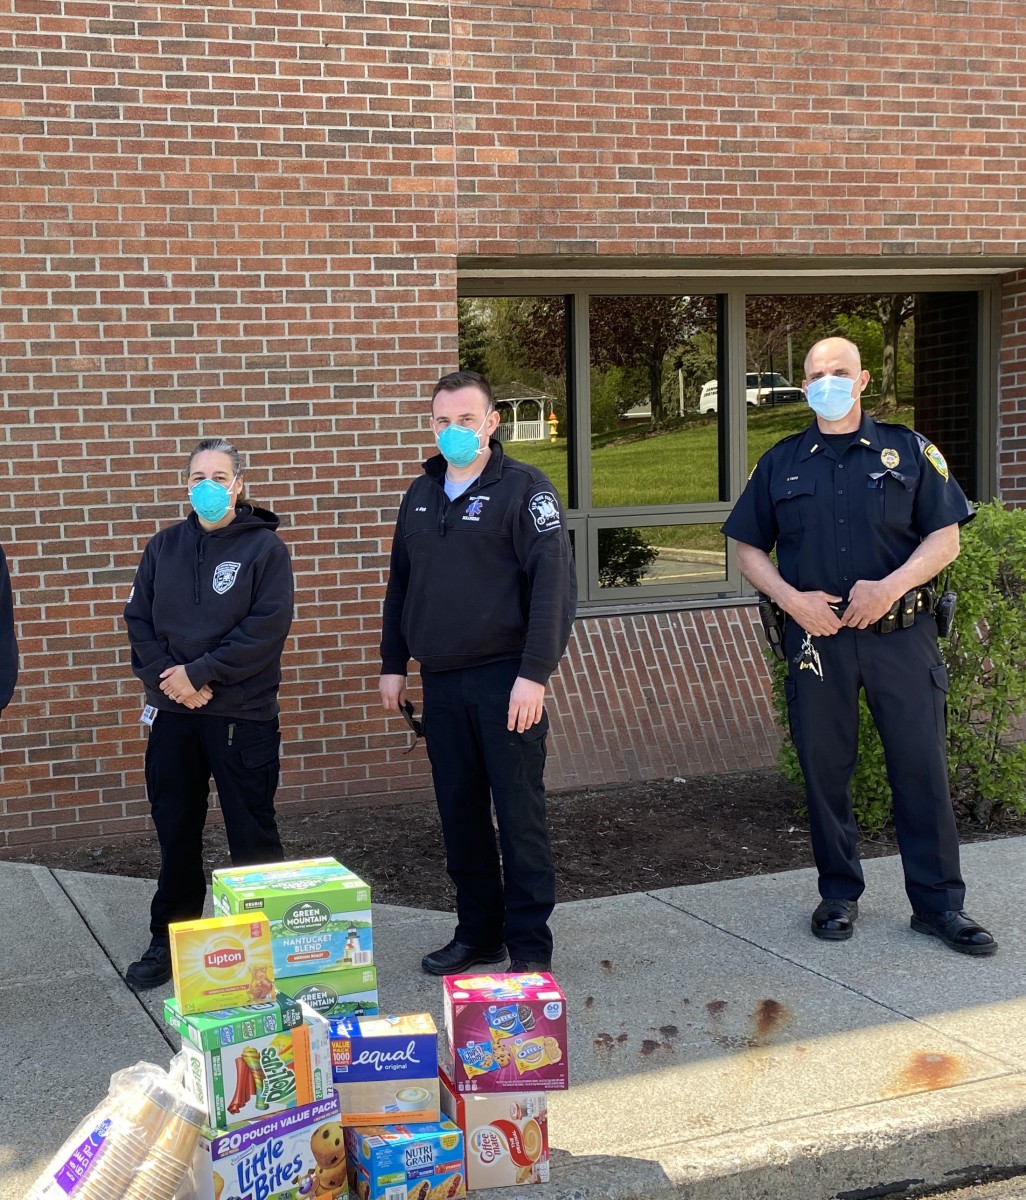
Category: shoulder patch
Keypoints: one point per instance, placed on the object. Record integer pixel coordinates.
(936, 460)
(545, 509)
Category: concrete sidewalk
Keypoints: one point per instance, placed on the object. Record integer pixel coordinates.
(717, 1049)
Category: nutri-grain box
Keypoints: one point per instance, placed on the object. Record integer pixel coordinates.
(505, 1135)
(244, 1064)
(292, 1155)
(411, 1162)
(506, 1033)
(385, 1068)
(319, 912)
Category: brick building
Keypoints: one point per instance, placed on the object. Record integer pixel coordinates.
(257, 219)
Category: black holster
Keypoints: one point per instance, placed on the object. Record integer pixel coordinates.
(773, 625)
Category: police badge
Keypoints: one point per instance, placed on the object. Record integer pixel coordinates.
(224, 576)
(890, 458)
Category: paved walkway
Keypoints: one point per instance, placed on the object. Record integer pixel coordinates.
(717, 1049)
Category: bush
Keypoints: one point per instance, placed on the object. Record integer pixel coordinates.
(985, 656)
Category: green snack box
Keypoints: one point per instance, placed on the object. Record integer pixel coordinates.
(347, 993)
(319, 912)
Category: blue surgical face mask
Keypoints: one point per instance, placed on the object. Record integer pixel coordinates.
(210, 499)
(831, 396)
(460, 445)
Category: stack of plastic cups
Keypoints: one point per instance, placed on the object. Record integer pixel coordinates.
(135, 1121)
(160, 1174)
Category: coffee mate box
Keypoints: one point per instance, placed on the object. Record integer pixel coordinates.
(319, 912)
(344, 993)
(506, 1033)
(505, 1135)
(221, 962)
(246, 1063)
(406, 1162)
(289, 1156)
(385, 1068)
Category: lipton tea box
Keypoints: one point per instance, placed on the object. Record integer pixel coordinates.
(506, 1033)
(344, 993)
(418, 1162)
(221, 962)
(320, 912)
(246, 1063)
(296, 1153)
(385, 1068)
(505, 1135)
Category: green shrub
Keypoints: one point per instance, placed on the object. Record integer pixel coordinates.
(986, 660)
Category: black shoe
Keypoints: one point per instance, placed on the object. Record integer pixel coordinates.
(153, 969)
(458, 957)
(834, 920)
(523, 966)
(956, 929)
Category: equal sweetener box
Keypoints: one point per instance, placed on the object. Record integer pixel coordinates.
(505, 1135)
(293, 1154)
(352, 992)
(415, 1162)
(385, 1069)
(506, 1033)
(221, 962)
(320, 912)
(247, 1063)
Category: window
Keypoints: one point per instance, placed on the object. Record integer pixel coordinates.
(648, 407)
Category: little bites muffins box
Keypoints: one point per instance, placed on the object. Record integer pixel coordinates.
(299, 1153)
(506, 1033)
(344, 993)
(319, 912)
(221, 962)
(415, 1162)
(505, 1135)
(385, 1069)
(247, 1063)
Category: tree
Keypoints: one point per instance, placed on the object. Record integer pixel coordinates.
(473, 335)
(892, 312)
(771, 320)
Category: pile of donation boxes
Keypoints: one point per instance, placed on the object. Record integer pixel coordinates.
(309, 1093)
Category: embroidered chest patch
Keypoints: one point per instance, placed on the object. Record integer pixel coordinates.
(225, 575)
(475, 508)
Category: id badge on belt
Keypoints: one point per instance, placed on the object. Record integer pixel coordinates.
(149, 714)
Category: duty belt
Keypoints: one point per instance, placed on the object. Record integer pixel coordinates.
(902, 613)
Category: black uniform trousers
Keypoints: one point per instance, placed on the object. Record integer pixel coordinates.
(183, 751)
(906, 685)
(475, 763)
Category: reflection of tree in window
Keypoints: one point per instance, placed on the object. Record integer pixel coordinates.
(624, 556)
(639, 332)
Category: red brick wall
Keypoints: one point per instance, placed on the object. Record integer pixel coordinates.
(245, 220)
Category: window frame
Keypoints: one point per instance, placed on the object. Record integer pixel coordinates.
(578, 283)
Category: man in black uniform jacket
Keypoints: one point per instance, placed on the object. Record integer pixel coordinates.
(482, 592)
(863, 515)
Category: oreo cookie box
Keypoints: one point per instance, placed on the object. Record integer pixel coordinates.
(506, 1033)
(319, 912)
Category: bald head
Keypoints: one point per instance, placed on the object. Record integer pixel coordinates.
(833, 356)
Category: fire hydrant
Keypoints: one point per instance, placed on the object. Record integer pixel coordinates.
(553, 426)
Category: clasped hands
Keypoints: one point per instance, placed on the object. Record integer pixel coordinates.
(174, 683)
(868, 601)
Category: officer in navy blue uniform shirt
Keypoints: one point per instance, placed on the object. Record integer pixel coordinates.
(863, 515)
(482, 592)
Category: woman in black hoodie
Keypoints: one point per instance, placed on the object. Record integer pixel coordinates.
(207, 619)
